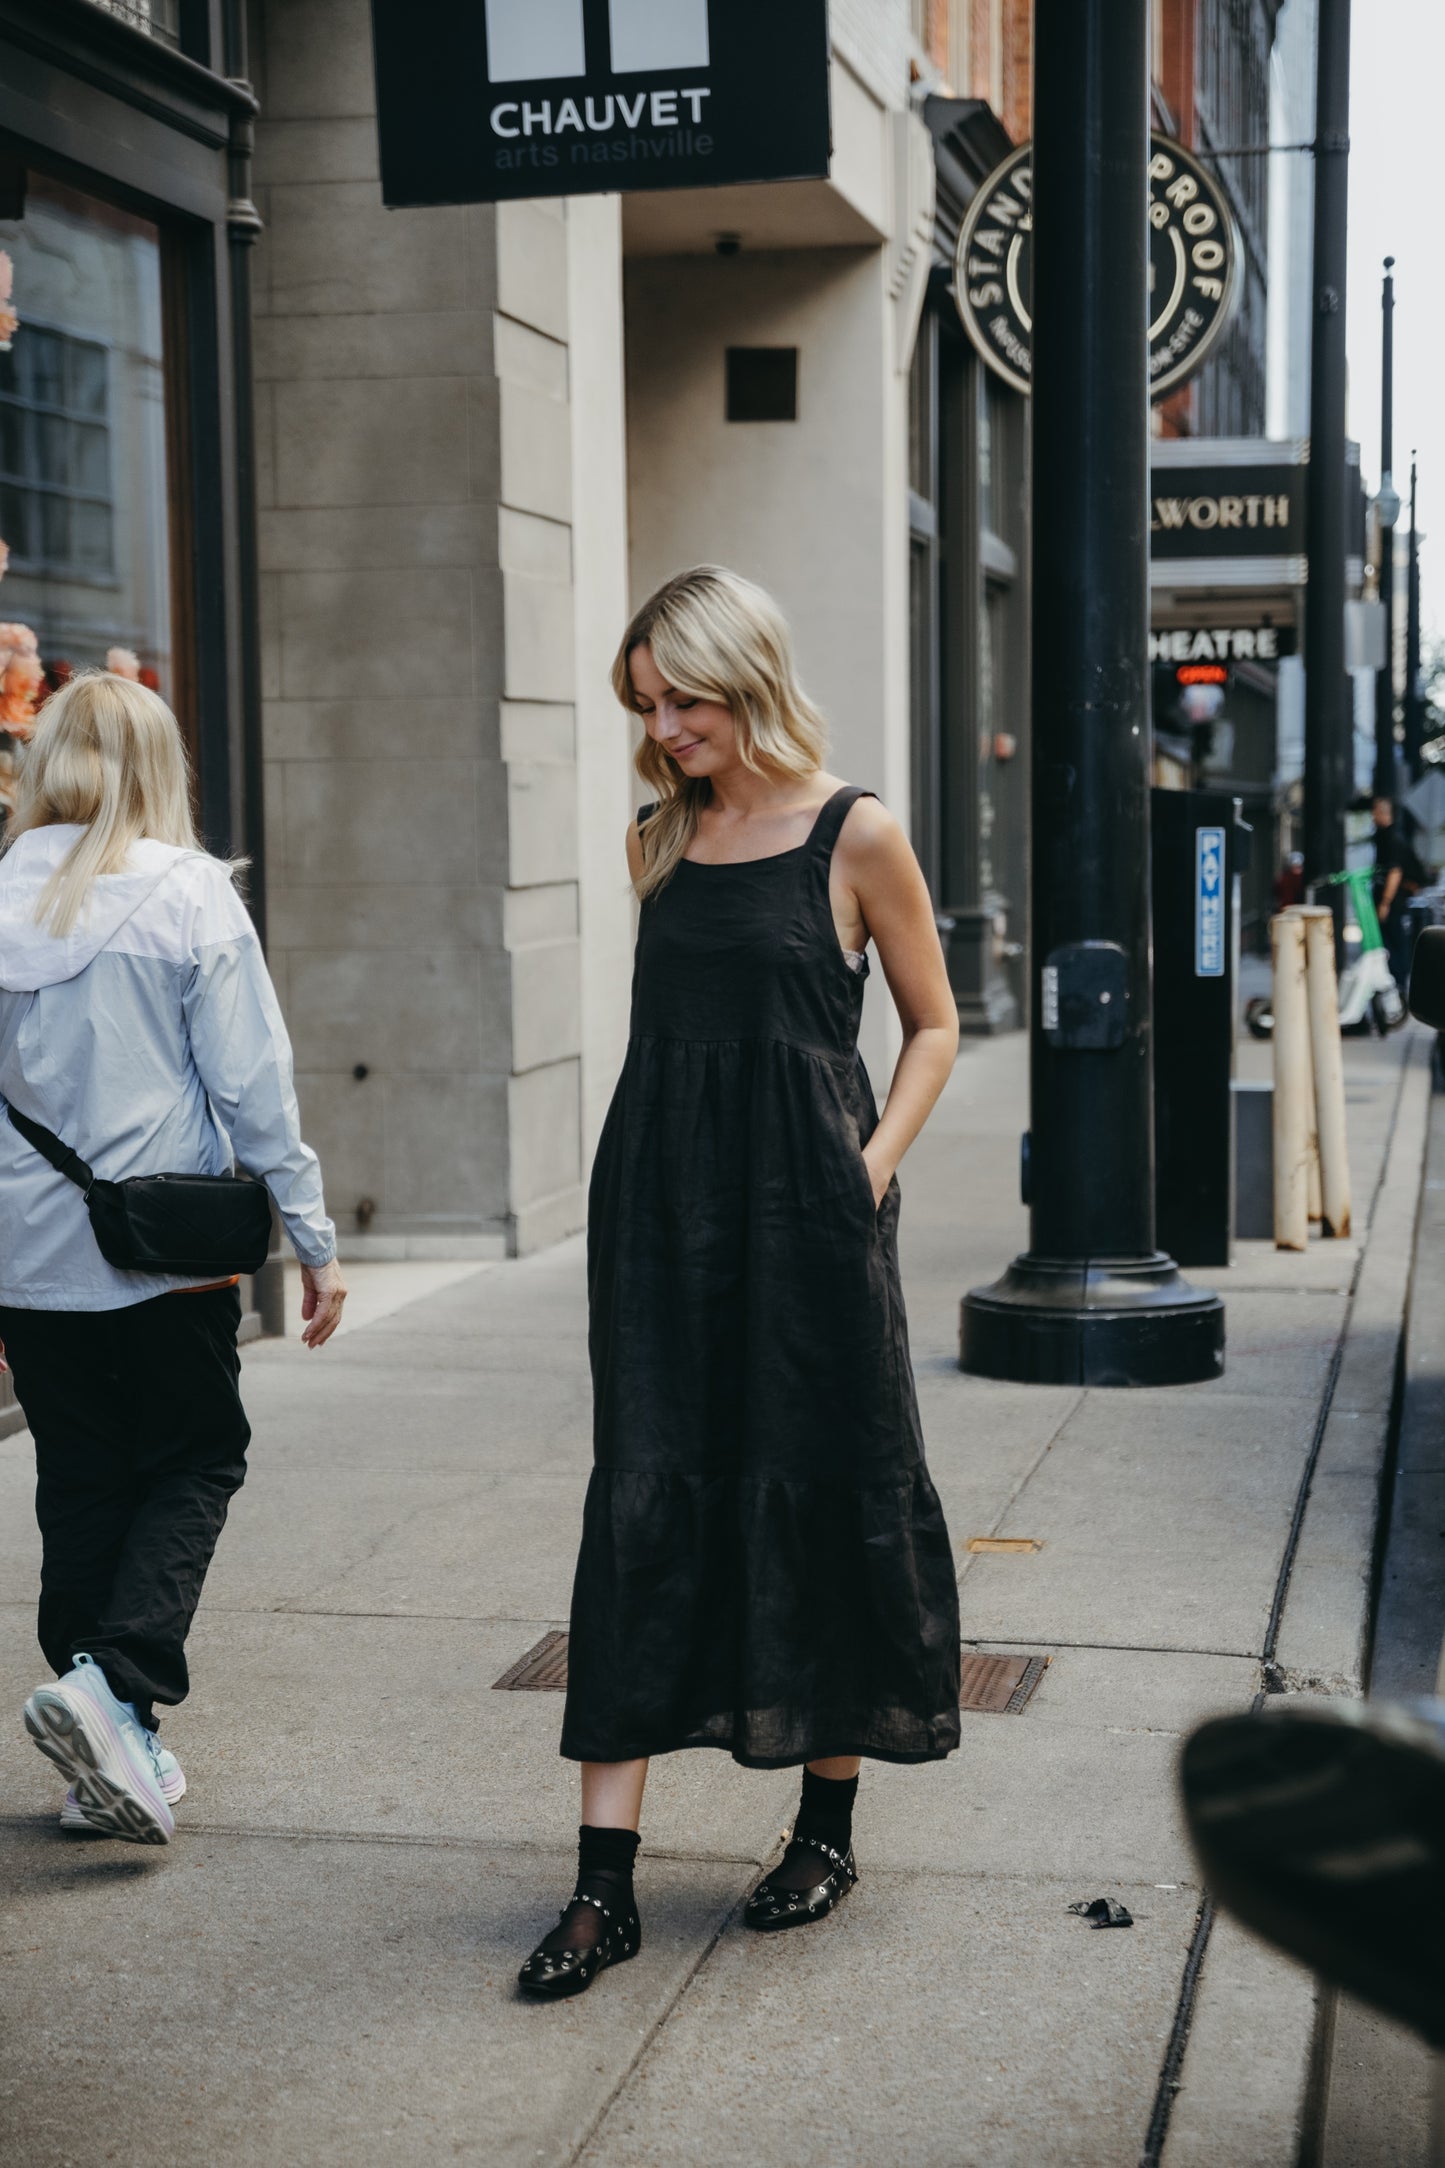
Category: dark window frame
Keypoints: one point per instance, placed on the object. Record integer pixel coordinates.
(28, 477)
(158, 19)
(122, 116)
(925, 731)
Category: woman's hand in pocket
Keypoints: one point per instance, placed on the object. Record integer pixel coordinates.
(879, 1174)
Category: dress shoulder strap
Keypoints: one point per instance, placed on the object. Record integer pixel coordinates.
(831, 819)
(645, 812)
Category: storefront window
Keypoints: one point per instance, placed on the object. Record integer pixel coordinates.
(56, 507)
(84, 518)
(161, 18)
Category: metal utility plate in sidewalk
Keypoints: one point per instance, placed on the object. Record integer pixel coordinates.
(543, 1670)
(999, 1685)
(996, 1685)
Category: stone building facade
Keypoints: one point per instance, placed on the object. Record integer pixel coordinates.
(412, 471)
(482, 434)
(442, 549)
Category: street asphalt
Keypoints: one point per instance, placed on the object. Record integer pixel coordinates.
(320, 1969)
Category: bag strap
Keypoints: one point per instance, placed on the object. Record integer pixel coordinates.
(61, 1157)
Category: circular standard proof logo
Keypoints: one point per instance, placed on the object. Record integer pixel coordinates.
(1193, 266)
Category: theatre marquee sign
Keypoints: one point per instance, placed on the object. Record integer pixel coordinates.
(1189, 646)
(479, 101)
(1193, 267)
(1227, 511)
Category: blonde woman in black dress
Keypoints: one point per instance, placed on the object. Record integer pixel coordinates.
(764, 1564)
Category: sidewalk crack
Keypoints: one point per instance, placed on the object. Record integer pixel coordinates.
(1025, 1479)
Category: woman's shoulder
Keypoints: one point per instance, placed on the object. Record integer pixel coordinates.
(181, 867)
(197, 892)
(863, 801)
(869, 836)
(865, 813)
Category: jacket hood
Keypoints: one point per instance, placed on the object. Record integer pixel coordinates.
(31, 956)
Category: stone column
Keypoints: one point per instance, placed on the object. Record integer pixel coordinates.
(420, 605)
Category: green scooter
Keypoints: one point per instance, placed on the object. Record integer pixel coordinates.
(1369, 998)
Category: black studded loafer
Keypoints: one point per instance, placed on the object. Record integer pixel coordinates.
(771, 1907)
(551, 1974)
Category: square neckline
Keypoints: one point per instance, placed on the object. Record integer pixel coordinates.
(717, 865)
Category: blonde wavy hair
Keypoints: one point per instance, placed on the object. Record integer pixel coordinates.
(107, 755)
(715, 636)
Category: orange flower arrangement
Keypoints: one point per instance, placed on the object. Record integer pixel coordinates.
(9, 321)
(21, 677)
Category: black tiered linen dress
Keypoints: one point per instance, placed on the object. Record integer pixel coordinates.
(764, 1563)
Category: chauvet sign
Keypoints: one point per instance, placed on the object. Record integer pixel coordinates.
(1193, 266)
(482, 100)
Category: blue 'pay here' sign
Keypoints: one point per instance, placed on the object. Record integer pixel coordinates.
(1209, 903)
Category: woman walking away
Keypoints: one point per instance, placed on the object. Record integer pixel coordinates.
(764, 1564)
(139, 1037)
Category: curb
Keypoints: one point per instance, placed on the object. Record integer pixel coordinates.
(1252, 2064)
(1324, 1642)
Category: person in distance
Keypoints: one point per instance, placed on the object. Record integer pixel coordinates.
(139, 1038)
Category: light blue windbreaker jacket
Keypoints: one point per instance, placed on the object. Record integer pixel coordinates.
(150, 1039)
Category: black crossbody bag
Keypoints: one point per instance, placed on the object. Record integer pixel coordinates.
(209, 1225)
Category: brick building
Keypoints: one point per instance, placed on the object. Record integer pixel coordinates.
(1215, 82)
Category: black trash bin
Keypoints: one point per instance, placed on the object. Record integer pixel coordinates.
(1200, 847)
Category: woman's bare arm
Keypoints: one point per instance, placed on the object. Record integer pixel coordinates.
(876, 864)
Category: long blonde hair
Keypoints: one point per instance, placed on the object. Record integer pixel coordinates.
(715, 636)
(107, 755)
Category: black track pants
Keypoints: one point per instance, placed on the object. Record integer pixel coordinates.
(140, 1441)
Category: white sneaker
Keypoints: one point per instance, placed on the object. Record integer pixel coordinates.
(172, 1780)
(108, 1755)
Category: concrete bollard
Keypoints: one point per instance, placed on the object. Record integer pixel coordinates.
(1293, 1084)
(1329, 1068)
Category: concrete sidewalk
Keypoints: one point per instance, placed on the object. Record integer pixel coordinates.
(320, 1969)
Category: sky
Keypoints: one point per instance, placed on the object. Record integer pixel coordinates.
(1397, 208)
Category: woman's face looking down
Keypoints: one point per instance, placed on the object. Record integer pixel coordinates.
(700, 735)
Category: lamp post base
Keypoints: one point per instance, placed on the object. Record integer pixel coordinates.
(1121, 1321)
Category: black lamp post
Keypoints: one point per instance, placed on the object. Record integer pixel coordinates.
(1092, 1301)
(1414, 690)
(1387, 506)
(1329, 722)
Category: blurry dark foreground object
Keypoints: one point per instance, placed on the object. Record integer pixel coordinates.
(1427, 978)
(1321, 1824)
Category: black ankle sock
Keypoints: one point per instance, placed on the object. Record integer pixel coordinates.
(604, 1862)
(826, 1809)
(825, 1815)
(604, 1872)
